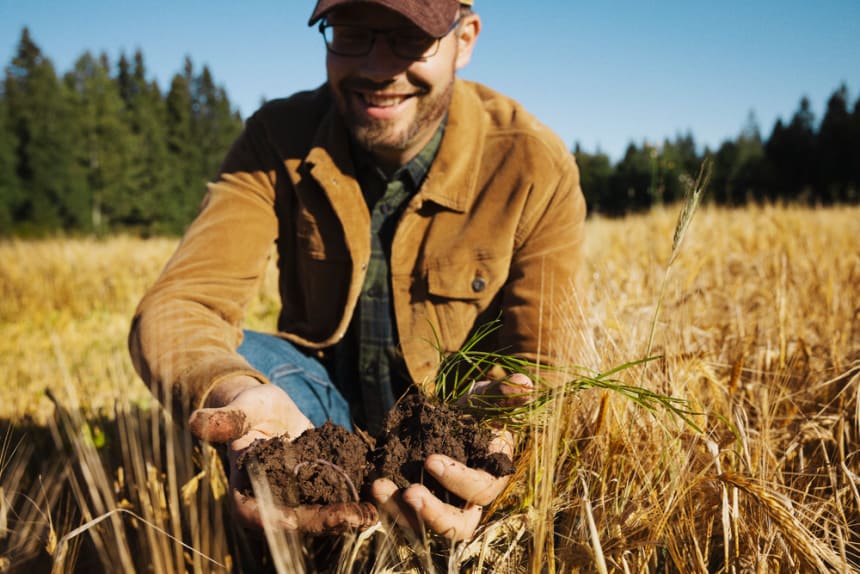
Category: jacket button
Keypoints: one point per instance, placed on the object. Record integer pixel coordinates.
(479, 284)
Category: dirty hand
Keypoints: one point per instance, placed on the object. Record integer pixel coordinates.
(239, 411)
(415, 504)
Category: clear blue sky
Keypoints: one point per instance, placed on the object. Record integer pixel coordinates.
(600, 73)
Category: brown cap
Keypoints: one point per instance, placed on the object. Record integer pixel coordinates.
(433, 16)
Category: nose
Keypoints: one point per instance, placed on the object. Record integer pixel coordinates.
(381, 64)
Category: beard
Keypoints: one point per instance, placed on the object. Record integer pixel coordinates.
(378, 135)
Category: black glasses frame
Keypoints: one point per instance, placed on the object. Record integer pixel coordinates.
(390, 38)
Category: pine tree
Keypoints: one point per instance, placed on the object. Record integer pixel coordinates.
(52, 185)
(595, 172)
(722, 180)
(125, 80)
(104, 149)
(215, 126)
(185, 186)
(148, 186)
(738, 165)
(677, 158)
(835, 148)
(854, 190)
(9, 184)
(632, 183)
(748, 170)
(791, 156)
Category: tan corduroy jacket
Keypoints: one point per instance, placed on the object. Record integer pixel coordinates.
(497, 227)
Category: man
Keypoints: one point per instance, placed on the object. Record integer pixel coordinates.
(408, 208)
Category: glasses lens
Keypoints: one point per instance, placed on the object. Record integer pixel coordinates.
(410, 43)
(348, 40)
(357, 41)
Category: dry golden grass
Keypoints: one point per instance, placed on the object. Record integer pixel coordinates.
(65, 309)
(759, 330)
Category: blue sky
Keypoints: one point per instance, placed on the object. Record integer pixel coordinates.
(599, 73)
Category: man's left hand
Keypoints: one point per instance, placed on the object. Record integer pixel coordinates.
(416, 505)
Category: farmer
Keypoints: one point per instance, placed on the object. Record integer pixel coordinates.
(406, 207)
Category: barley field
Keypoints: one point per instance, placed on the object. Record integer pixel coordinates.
(755, 327)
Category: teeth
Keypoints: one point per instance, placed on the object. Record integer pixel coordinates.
(382, 101)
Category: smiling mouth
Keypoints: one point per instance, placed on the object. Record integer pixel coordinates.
(381, 100)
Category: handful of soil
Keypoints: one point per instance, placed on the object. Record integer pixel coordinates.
(416, 428)
(324, 465)
(329, 464)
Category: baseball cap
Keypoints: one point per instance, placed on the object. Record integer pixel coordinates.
(432, 16)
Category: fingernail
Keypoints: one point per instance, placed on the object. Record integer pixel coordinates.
(413, 500)
(436, 467)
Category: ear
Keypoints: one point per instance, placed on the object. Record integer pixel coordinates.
(467, 36)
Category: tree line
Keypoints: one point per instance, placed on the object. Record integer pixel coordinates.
(801, 161)
(103, 149)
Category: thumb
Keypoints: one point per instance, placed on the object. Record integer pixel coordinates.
(220, 425)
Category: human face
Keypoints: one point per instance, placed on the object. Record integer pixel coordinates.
(393, 106)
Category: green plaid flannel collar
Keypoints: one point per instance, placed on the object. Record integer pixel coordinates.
(415, 169)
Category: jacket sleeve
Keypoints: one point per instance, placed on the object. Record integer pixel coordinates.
(186, 328)
(541, 303)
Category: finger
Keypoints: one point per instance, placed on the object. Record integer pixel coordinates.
(335, 518)
(388, 497)
(517, 390)
(520, 381)
(514, 391)
(472, 485)
(218, 425)
(444, 519)
(502, 442)
(313, 519)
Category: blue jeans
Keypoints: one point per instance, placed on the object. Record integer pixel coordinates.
(303, 378)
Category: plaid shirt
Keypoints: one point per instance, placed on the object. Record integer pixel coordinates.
(370, 350)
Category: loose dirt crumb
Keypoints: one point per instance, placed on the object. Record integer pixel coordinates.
(313, 468)
(416, 428)
(324, 465)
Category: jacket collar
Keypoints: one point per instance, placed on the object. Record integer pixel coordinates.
(453, 178)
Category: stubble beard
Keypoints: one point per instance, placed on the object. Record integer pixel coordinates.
(384, 135)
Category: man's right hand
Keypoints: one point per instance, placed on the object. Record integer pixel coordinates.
(239, 411)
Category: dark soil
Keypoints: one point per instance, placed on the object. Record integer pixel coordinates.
(312, 468)
(416, 428)
(324, 465)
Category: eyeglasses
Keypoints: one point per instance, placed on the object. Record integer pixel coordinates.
(354, 41)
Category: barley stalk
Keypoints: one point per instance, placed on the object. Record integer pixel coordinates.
(692, 197)
(813, 551)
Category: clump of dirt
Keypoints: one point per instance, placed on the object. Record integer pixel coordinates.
(416, 428)
(313, 469)
(323, 465)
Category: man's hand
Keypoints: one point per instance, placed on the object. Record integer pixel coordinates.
(239, 411)
(415, 504)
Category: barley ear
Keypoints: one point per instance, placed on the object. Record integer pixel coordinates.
(692, 197)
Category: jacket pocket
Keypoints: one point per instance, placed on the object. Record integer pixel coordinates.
(468, 279)
(459, 290)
